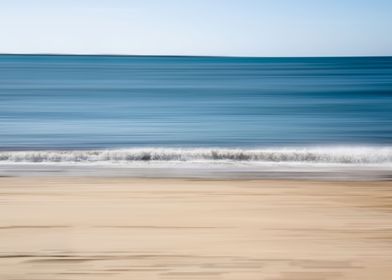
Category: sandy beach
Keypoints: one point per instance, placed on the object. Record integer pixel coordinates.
(127, 228)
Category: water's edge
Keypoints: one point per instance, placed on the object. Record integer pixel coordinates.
(316, 163)
(307, 155)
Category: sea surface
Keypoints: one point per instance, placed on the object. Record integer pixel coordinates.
(65, 108)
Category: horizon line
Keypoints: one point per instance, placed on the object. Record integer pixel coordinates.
(184, 55)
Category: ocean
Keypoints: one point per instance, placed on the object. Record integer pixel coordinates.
(76, 108)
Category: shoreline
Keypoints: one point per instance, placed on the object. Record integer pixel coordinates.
(213, 171)
(357, 163)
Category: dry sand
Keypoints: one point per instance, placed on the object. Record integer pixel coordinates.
(113, 228)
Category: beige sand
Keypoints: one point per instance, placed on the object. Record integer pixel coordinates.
(86, 228)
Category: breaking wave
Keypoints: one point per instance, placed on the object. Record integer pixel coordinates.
(345, 155)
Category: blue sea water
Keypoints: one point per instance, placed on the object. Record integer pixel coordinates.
(64, 102)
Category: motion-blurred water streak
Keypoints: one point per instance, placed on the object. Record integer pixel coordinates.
(95, 102)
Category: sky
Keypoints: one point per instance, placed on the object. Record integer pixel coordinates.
(198, 27)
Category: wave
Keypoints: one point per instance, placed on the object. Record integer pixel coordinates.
(344, 155)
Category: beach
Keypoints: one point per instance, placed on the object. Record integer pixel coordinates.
(154, 228)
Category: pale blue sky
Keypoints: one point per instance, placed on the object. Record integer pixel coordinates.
(197, 27)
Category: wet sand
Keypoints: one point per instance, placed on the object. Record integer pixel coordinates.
(124, 228)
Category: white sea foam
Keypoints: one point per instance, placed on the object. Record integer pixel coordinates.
(341, 155)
